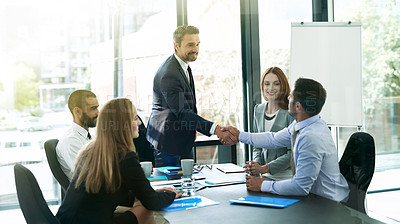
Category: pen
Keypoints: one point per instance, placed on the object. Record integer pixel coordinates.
(200, 188)
(185, 203)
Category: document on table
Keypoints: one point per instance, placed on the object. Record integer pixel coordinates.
(265, 201)
(229, 168)
(176, 182)
(189, 203)
(222, 181)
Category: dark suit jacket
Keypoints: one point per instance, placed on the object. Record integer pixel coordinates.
(143, 147)
(174, 120)
(82, 207)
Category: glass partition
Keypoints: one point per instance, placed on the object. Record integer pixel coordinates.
(380, 69)
(44, 56)
(48, 49)
(275, 18)
(217, 70)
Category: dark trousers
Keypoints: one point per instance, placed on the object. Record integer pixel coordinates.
(165, 159)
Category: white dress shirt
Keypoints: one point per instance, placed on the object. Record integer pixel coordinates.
(315, 157)
(69, 146)
(184, 67)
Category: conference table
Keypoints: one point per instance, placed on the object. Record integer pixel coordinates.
(310, 209)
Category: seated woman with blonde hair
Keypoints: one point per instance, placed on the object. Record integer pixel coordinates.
(108, 173)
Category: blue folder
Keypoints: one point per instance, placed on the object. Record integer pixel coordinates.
(189, 203)
(157, 178)
(166, 170)
(265, 201)
(172, 170)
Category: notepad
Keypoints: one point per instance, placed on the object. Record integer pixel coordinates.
(265, 201)
(189, 203)
(230, 168)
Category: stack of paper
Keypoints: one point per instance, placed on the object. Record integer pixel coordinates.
(230, 168)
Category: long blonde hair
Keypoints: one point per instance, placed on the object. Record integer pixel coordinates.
(98, 164)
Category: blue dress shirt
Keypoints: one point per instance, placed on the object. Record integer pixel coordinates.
(315, 157)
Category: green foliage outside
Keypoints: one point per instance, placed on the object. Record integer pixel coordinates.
(37, 112)
(26, 88)
(381, 71)
(381, 48)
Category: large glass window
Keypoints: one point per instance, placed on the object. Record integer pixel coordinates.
(381, 95)
(146, 41)
(217, 70)
(44, 54)
(381, 70)
(48, 49)
(275, 18)
(144, 49)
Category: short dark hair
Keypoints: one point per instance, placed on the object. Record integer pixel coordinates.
(311, 95)
(78, 99)
(182, 30)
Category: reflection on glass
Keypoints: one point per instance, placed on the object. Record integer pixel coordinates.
(275, 18)
(50, 49)
(381, 86)
(217, 70)
(144, 49)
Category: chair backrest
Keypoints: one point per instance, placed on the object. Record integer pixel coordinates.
(50, 148)
(143, 147)
(30, 197)
(357, 166)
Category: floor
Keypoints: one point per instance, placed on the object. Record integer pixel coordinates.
(384, 206)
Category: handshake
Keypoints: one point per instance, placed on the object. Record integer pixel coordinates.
(228, 135)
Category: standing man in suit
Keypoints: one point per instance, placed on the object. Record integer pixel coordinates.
(174, 121)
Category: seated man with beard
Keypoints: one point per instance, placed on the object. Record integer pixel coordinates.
(84, 106)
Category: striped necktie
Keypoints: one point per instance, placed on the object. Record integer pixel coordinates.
(294, 135)
(191, 81)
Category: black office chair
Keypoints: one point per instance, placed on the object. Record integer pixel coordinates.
(357, 166)
(143, 147)
(50, 148)
(30, 197)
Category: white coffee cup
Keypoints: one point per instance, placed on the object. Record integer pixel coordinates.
(147, 168)
(187, 167)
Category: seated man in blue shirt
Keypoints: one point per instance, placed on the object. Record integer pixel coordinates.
(315, 161)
